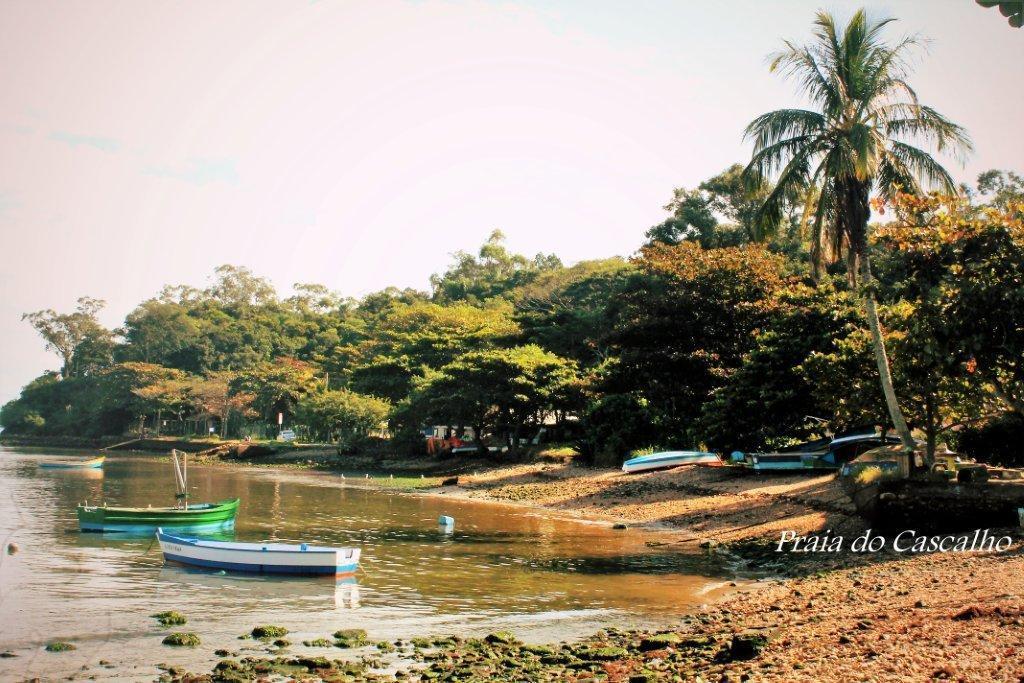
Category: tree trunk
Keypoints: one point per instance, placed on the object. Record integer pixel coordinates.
(478, 434)
(931, 428)
(157, 426)
(858, 212)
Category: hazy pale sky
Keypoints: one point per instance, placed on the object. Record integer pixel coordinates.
(358, 143)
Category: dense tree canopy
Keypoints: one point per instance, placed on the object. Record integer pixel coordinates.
(683, 345)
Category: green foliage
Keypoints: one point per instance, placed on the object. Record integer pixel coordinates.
(566, 310)
(493, 272)
(696, 214)
(855, 140)
(1013, 10)
(499, 390)
(703, 339)
(410, 337)
(769, 400)
(78, 338)
(275, 386)
(342, 413)
(996, 441)
(614, 425)
(1003, 190)
(683, 324)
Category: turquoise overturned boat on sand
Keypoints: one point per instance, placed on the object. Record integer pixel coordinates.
(666, 459)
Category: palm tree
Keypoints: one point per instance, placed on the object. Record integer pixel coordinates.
(853, 143)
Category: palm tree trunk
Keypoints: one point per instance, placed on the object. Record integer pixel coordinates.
(882, 359)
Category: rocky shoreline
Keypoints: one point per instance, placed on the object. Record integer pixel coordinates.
(944, 616)
(879, 616)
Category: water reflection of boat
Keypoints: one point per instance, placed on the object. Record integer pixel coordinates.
(75, 473)
(338, 591)
(90, 464)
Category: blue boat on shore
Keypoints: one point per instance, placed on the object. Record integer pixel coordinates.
(822, 454)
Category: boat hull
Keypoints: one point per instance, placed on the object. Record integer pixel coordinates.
(201, 517)
(258, 558)
(91, 464)
(660, 461)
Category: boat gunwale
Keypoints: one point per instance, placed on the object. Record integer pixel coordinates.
(669, 455)
(280, 549)
(209, 508)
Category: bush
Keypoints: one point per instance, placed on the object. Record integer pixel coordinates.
(999, 441)
(613, 426)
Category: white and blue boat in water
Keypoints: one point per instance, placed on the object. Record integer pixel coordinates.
(89, 464)
(259, 558)
(666, 459)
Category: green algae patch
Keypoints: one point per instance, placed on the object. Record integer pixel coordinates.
(267, 632)
(602, 654)
(659, 642)
(59, 646)
(182, 640)
(385, 646)
(350, 637)
(170, 618)
(501, 638)
(318, 642)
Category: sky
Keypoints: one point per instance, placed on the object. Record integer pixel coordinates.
(358, 143)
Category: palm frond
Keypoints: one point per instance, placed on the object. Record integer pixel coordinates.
(922, 165)
(769, 214)
(894, 176)
(933, 127)
(801, 63)
(768, 129)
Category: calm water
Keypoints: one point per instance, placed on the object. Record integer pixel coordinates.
(503, 568)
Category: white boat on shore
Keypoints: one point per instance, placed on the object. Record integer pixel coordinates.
(261, 558)
(666, 459)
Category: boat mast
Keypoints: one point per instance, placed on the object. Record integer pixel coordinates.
(180, 478)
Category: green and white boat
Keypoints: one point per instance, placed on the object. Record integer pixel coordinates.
(184, 516)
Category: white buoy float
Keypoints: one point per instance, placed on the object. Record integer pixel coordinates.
(446, 523)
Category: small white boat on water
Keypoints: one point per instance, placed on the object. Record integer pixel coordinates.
(262, 558)
(666, 459)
